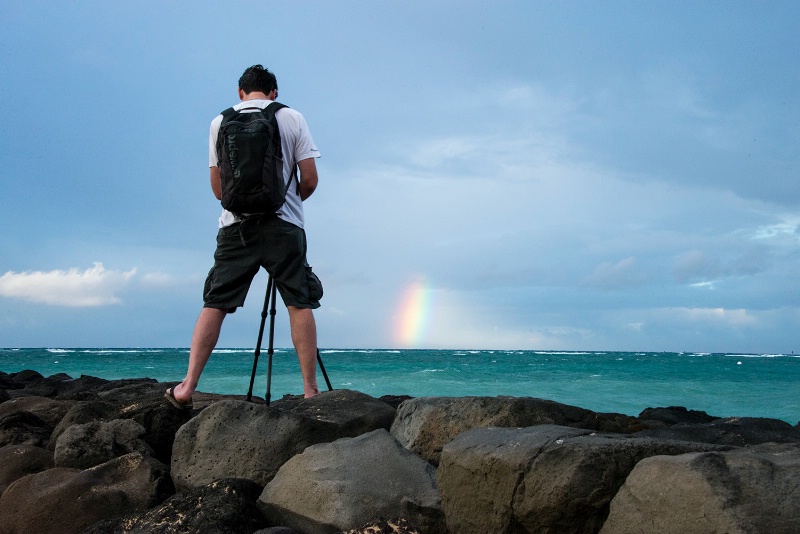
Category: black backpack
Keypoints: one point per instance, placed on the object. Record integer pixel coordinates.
(251, 161)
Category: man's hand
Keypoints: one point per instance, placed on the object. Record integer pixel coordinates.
(308, 179)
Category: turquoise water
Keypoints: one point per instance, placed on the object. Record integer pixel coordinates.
(748, 385)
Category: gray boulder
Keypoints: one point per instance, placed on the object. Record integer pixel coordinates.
(424, 425)
(735, 431)
(79, 388)
(63, 386)
(121, 391)
(341, 485)
(160, 420)
(753, 490)
(542, 479)
(16, 461)
(237, 439)
(673, 415)
(40, 386)
(19, 380)
(352, 411)
(81, 413)
(30, 420)
(65, 500)
(224, 507)
(6, 382)
(91, 444)
(48, 410)
(24, 428)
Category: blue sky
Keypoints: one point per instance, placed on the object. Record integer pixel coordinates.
(541, 175)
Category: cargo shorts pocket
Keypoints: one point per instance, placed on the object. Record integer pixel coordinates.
(314, 285)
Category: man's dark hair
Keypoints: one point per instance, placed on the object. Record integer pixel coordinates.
(257, 78)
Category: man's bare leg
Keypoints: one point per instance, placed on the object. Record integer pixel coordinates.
(204, 339)
(304, 337)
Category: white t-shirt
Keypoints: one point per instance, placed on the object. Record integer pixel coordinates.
(296, 144)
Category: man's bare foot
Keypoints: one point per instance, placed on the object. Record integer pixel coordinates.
(310, 391)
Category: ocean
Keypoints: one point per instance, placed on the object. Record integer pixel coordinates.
(724, 385)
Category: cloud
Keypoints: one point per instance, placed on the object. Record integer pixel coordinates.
(614, 276)
(711, 316)
(700, 268)
(696, 266)
(787, 229)
(94, 286)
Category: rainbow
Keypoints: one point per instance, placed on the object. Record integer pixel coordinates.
(413, 314)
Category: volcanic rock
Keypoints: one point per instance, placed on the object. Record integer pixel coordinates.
(736, 431)
(753, 489)
(237, 439)
(673, 415)
(81, 413)
(424, 425)
(91, 444)
(337, 486)
(65, 500)
(223, 507)
(539, 479)
(16, 461)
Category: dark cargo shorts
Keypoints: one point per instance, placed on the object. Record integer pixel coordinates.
(269, 242)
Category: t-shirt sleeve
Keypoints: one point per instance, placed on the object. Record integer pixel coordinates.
(213, 157)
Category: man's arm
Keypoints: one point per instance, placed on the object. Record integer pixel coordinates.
(308, 177)
(216, 182)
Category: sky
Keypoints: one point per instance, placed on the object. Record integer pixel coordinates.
(577, 175)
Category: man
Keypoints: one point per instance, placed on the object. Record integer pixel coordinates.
(276, 242)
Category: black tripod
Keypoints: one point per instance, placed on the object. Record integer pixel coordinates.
(269, 307)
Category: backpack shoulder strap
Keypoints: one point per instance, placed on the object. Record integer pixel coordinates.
(227, 115)
(275, 106)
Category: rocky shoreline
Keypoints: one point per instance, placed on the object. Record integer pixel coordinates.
(100, 456)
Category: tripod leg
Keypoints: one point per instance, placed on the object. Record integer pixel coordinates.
(324, 374)
(270, 347)
(257, 352)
